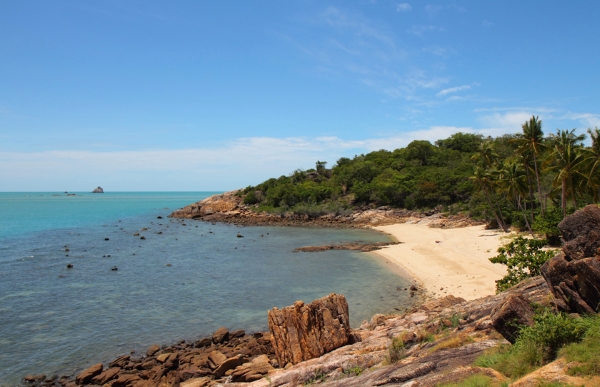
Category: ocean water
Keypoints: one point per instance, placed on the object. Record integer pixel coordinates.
(183, 281)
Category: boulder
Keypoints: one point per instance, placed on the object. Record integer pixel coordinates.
(125, 380)
(205, 342)
(215, 359)
(252, 371)
(98, 190)
(152, 350)
(106, 376)
(229, 364)
(221, 335)
(306, 331)
(120, 362)
(576, 283)
(509, 316)
(581, 233)
(87, 375)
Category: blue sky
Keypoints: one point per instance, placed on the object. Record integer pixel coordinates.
(199, 95)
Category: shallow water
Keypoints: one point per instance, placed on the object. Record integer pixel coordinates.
(181, 284)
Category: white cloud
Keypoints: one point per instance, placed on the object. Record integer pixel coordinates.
(587, 119)
(403, 7)
(239, 163)
(453, 90)
(420, 30)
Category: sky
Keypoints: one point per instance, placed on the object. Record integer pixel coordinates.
(218, 95)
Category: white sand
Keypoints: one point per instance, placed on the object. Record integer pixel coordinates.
(447, 261)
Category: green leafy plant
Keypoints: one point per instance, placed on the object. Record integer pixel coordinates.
(523, 258)
(353, 371)
(548, 225)
(585, 353)
(537, 344)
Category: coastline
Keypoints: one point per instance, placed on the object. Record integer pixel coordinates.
(446, 261)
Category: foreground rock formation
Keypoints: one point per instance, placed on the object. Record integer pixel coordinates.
(306, 331)
(229, 208)
(574, 275)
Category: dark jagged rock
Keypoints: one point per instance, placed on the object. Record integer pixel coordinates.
(512, 314)
(581, 233)
(305, 331)
(98, 190)
(574, 275)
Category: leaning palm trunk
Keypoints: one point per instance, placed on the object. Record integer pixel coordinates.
(497, 215)
(524, 216)
(539, 186)
(563, 197)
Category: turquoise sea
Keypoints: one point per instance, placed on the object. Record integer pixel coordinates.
(184, 280)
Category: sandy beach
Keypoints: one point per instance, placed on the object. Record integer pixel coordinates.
(447, 261)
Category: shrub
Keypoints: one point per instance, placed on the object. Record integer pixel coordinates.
(538, 344)
(586, 353)
(523, 258)
(548, 225)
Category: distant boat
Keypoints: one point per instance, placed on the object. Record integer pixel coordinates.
(98, 190)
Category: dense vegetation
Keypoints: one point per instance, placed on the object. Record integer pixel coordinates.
(525, 179)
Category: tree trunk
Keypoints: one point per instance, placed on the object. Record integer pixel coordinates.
(563, 197)
(537, 177)
(524, 216)
(498, 219)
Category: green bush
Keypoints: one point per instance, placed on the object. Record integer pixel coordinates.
(586, 353)
(548, 225)
(538, 344)
(523, 258)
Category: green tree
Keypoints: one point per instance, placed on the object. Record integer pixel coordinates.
(484, 182)
(566, 156)
(512, 181)
(531, 142)
(591, 164)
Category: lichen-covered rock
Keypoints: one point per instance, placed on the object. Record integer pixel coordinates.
(513, 313)
(305, 331)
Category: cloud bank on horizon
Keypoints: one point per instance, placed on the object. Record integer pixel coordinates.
(197, 96)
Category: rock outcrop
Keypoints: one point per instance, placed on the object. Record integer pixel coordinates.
(574, 275)
(306, 331)
(98, 190)
(512, 314)
(229, 207)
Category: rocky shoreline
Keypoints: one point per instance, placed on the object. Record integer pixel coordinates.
(229, 208)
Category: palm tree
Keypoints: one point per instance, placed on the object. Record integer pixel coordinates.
(565, 158)
(531, 141)
(591, 164)
(486, 154)
(512, 181)
(484, 181)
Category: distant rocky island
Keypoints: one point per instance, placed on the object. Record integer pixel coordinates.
(98, 190)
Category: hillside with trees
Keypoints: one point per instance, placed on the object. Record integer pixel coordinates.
(526, 180)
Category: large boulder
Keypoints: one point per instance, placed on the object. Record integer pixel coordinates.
(576, 283)
(512, 314)
(306, 331)
(574, 275)
(581, 233)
